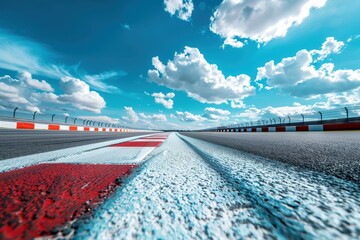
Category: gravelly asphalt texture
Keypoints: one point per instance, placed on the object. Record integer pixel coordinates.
(17, 143)
(335, 153)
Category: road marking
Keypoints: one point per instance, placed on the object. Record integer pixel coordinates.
(40, 200)
(46, 196)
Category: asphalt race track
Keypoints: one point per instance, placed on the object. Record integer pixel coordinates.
(170, 185)
(335, 153)
(16, 143)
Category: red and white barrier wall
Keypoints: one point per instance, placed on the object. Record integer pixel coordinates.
(59, 127)
(303, 128)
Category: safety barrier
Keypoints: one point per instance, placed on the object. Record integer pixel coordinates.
(346, 118)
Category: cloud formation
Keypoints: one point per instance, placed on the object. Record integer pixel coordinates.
(181, 8)
(330, 46)
(259, 20)
(215, 114)
(155, 117)
(298, 75)
(131, 115)
(36, 84)
(165, 100)
(78, 93)
(190, 72)
(31, 93)
(189, 117)
(22, 55)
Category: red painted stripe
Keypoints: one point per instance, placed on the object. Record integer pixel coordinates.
(116, 129)
(86, 129)
(96, 129)
(37, 199)
(245, 129)
(280, 129)
(265, 129)
(25, 125)
(342, 126)
(73, 128)
(54, 127)
(110, 129)
(253, 129)
(137, 144)
(104, 129)
(302, 128)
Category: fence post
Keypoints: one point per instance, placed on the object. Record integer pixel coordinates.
(347, 113)
(321, 116)
(75, 120)
(303, 118)
(66, 119)
(15, 112)
(289, 119)
(84, 121)
(274, 120)
(280, 119)
(34, 115)
(52, 117)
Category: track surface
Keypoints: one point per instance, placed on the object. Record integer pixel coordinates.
(335, 153)
(16, 143)
(192, 189)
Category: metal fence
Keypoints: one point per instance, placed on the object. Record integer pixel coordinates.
(17, 114)
(344, 114)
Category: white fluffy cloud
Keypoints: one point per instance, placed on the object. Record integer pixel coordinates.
(215, 114)
(182, 8)
(330, 46)
(78, 93)
(155, 117)
(237, 104)
(190, 72)
(11, 94)
(217, 111)
(165, 100)
(298, 76)
(45, 97)
(189, 117)
(131, 115)
(259, 20)
(34, 83)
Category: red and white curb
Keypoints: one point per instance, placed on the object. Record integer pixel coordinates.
(39, 200)
(59, 127)
(303, 128)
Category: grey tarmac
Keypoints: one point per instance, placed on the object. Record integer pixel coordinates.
(335, 153)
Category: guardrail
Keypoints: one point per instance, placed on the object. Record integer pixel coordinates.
(338, 115)
(17, 114)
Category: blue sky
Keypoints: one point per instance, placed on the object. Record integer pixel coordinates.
(179, 64)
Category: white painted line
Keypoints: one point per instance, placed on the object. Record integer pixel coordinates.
(20, 162)
(148, 140)
(109, 155)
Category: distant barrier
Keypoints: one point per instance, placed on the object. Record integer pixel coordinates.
(346, 118)
(24, 119)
